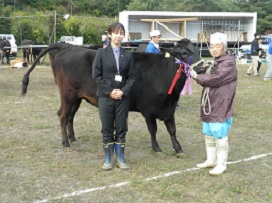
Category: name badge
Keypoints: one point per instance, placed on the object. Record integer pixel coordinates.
(118, 78)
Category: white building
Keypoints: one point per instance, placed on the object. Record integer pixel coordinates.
(177, 25)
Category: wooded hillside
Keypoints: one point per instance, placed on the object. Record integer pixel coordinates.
(28, 19)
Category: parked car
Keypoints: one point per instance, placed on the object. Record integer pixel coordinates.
(72, 40)
(11, 39)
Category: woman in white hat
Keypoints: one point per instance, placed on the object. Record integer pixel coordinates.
(153, 45)
(219, 86)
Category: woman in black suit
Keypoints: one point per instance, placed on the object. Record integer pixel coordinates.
(113, 71)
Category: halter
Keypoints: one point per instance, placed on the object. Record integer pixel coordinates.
(184, 67)
(196, 64)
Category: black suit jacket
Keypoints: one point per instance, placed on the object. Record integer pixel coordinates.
(255, 47)
(104, 71)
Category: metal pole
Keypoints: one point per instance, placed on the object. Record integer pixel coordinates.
(238, 34)
(201, 36)
(55, 26)
(71, 7)
(21, 34)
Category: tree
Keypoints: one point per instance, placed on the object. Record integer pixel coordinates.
(182, 5)
(5, 25)
(264, 12)
(147, 5)
(42, 28)
(93, 28)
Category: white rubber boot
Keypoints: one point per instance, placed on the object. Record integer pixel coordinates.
(222, 147)
(211, 153)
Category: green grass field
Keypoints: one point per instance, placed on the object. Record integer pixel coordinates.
(34, 166)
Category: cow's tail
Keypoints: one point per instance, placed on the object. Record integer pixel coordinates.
(25, 80)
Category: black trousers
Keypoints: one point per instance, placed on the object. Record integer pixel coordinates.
(113, 115)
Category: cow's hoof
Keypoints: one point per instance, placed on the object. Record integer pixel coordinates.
(180, 155)
(157, 150)
(72, 139)
(66, 144)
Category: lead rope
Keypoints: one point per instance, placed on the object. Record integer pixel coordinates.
(205, 100)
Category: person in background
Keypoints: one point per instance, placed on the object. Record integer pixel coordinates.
(268, 73)
(219, 86)
(153, 45)
(105, 41)
(259, 66)
(113, 71)
(255, 51)
(260, 40)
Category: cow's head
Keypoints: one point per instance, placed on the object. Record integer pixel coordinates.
(183, 50)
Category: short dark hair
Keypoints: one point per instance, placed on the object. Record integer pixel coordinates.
(256, 34)
(116, 27)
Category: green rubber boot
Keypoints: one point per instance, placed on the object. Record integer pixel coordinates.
(120, 156)
(108, 149)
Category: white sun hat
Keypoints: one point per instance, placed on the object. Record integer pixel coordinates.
(218, 37)
(155, 33)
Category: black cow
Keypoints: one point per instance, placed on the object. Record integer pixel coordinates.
(72, 68)
(26, 49)
(4, 52)
(33, 52)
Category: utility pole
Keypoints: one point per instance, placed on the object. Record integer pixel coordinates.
(71, 7)
(14, 4)
(55, 26)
